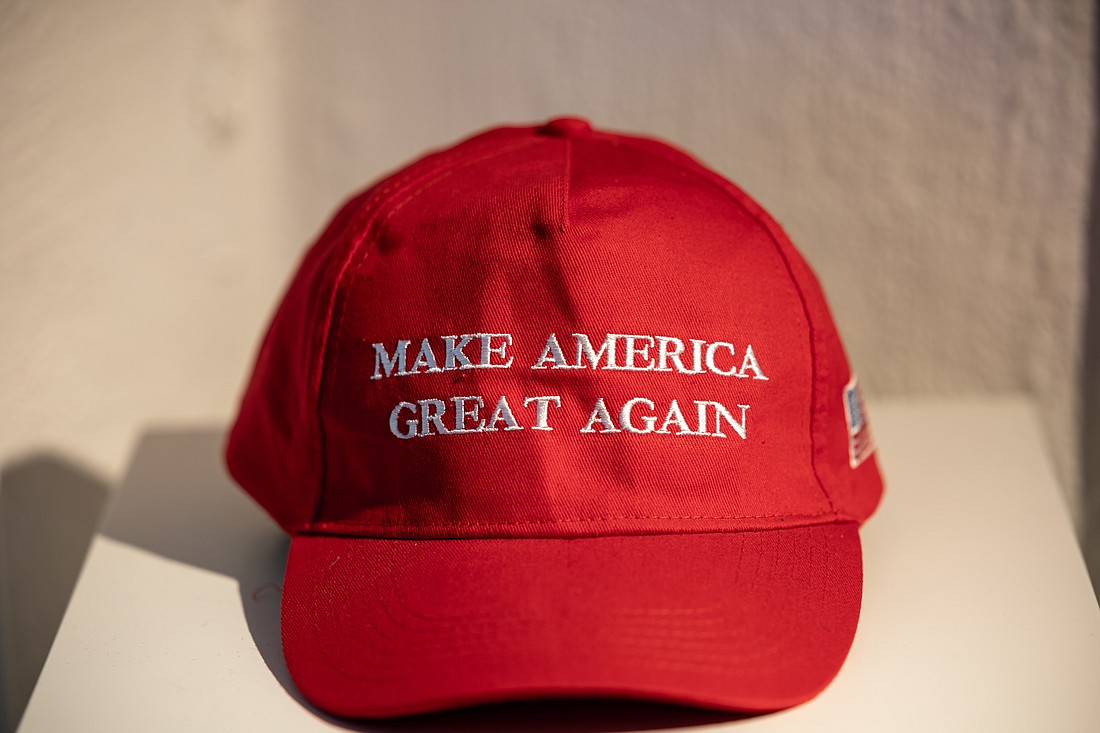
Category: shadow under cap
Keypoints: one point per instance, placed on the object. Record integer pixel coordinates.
(181, 504)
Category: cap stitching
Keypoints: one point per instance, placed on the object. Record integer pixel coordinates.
(566, 173)
(579, 520)
(729, 190)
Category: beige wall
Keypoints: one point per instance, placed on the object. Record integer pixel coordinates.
(141, 225)
(142, 242)
(164, 163)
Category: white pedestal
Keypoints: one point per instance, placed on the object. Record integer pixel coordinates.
(977, 615)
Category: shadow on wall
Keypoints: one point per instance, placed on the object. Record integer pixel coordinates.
(49, 509)
(1090, 368)
(178, 502)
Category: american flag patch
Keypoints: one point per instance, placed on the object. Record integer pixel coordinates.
(860, 441)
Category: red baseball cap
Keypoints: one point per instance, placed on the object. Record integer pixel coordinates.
(559, 412)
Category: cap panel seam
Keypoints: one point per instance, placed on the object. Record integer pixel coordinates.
(577, 520)
(357, 255)
(566, 174)
(737, 196)
(354, 259)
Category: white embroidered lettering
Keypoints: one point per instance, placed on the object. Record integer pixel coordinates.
(721, 413)
(665, 354)
(631, 350)
(617, 352)
(462, 413)
(675, 417)
(701, 418)
(455, 358)
(696, 356)
(502, 413)
(710, 359)
(749, 362)
(552, 353)
(424, 358)
(493, 355)
(383, 361)
(648, 420)
(630, 421)
(488, 350)
(593, 357)
(541, 410)
(431, 413)
(410, 424)
(600, 415)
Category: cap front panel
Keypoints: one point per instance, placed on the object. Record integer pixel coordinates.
(567, 338)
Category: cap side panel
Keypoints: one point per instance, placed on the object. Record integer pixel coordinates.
(387, 202)
(853, 487)
(853, 480)
(273, 448)
(777, 238)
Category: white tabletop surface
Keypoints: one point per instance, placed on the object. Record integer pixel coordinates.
(977, 616)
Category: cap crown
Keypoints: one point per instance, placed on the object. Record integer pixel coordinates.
(553, 332)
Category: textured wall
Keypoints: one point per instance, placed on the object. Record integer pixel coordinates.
(141, 246)
(141, 203)
(165, 163)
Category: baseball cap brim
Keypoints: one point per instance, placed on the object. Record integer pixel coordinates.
(746, 621)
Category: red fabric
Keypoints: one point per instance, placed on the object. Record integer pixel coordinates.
(750, 621)
(530, 232)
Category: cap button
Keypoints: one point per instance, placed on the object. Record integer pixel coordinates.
(566, 127)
